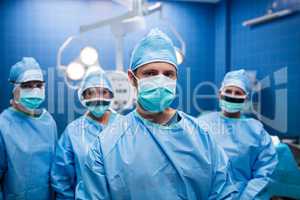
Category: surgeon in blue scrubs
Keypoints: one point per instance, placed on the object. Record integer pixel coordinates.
(248, 146)
(27, 136)
(155, 152)
(95, 93)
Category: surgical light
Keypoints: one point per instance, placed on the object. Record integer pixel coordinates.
(94, 68)
(75, 71)
(179, 56)
(88, 56)
(121, 25)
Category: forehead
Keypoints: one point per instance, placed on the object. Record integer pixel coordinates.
(158, 66)
(234, 88)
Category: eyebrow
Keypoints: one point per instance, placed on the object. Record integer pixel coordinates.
(170, 71)
(149, 70)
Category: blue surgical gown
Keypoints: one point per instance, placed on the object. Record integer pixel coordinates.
(249, 148)
(135, 159)
(27, 146)
(71, 150)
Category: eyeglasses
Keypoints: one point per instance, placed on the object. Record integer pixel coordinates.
(97, 102)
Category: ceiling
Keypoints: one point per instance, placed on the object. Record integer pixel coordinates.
(203, 1)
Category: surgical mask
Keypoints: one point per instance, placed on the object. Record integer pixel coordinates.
(232, 104)
(156, 93)
(98, 111)
(32, 98)
(97, 107)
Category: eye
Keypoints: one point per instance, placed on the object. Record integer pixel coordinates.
(27, 86)
(170, 75)
(149, 73)
(238, 93)
(106, 93)
(228, 91)
(88, 94)
(39, 85)
(24, 86)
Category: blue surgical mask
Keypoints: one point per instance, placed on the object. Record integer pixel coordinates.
(98, 111)
(97, 106)
(32, 98)
(231, 107)
(156, 93)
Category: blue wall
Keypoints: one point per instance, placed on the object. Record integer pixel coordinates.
(38, 28)
(222, 40)
(266, 49)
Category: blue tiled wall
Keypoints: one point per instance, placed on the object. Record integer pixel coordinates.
(266, 49)
(38, 28)
(222, 40)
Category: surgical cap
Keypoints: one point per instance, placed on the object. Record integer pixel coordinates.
(238, 78)
(94, 78)
(155, 47)
(28, 69)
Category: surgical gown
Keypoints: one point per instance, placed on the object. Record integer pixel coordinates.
(27, 146)
(135, 159)
(71, 151)
(249, 148)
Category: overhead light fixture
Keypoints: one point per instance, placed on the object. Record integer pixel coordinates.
(75, 71)
(94, 68)
(179, 56)
(89, 56)
(267, 17)
(133, 20)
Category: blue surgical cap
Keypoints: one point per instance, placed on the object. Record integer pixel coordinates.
(28, 69)
(238, 78)
(95, 78)
(155, 47)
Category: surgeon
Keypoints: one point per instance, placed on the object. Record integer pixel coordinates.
(245, 141)
(95, 94)
(155, 152)
(27, 136)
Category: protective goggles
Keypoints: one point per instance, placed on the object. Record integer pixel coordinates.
(233, 99)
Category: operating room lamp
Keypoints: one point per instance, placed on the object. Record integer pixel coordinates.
(131, 21)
